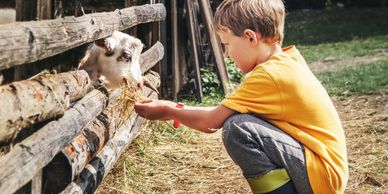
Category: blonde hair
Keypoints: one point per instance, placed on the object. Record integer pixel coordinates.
(263, 16)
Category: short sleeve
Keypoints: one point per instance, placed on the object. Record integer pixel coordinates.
(258, 94)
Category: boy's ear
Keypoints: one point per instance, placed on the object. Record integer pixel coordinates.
(252, 36)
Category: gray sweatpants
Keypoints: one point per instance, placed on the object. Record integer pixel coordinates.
(258, 147)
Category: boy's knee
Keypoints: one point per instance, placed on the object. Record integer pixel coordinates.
(234, 131)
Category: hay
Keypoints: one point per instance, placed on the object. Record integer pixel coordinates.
(123, 108)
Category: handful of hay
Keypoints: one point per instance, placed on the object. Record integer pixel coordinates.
(123, 107)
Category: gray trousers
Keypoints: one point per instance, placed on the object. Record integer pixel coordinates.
(258, 147)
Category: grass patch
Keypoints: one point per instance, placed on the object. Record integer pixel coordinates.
(338, 33)
(361, 79)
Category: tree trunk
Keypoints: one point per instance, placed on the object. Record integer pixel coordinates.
(30, 156)
(27, 42)
(47, 96)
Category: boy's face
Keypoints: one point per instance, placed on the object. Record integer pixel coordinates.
(239, 49)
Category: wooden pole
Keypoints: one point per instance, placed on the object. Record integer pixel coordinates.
(31, 41)
(193, 28)
(217, 49)
(47, 96)
(175, 52)
(28, 157)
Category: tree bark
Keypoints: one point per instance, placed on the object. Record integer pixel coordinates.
(30, 156)
(44, 97)
(27, 42)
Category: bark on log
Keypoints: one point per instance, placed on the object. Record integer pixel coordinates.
(47, 96)
(150, 57)
(93, 174)
(28, 157)
(26, 42)
(63, 169)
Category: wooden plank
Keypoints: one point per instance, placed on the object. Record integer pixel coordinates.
(31, 41)
(215, 43)
(58, 8)
(36, 183)
(193, 36)
(28, 157)
(175, 52)
(27, 102)
(155, 53)
(25, 10)
(44, 8)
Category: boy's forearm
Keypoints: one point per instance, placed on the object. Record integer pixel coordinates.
(205, 119)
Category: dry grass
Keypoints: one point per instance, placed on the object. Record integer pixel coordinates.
(365, 120)
(185, 161)
(189, 162)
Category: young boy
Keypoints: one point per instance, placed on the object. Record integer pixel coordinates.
(280, 126)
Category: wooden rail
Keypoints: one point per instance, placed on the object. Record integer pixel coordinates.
(26, 42)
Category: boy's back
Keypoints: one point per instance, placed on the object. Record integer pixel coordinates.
(284, 92)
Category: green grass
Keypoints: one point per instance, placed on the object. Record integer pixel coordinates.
(338, 33)
(361, 79)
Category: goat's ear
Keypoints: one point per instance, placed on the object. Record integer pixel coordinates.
(100, 42)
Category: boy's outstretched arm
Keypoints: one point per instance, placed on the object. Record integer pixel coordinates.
(205, 119)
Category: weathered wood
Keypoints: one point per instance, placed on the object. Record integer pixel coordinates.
(193, 36)
(36, 183)
(1, 78)
(31, 155)
(151, 56)
(25, 10)
(93, 174)
(25, 42)
(207, 16)
(175, 52)
(84, 147)
(44, 97)
(72, 160)
(44, 9)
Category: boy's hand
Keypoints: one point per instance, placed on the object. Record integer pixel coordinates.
(154, 109)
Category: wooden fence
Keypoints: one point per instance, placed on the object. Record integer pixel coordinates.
(57, 132)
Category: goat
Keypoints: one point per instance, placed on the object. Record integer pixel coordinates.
(115, 59)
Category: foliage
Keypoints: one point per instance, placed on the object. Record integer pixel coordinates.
(234, 73)
(355, 80)
(211, 86)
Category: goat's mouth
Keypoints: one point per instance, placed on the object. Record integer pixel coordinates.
(142, 83)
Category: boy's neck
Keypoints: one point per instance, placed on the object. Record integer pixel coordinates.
(267, 51)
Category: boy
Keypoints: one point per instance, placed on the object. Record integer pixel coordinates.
(280, 125)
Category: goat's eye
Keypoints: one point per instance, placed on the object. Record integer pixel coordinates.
(127, 56)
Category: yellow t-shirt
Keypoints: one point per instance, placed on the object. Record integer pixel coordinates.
(285, 92)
